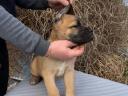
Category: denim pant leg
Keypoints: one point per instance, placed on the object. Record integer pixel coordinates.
(4, 67)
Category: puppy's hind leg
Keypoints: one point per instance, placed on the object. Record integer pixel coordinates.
(34, 80)
(34, 73)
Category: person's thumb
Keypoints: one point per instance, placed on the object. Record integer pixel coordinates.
(64, 2)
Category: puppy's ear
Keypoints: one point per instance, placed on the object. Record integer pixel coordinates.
(58, 17)
(70, 10)
(66, 10)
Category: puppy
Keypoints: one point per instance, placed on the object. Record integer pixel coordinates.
(67, 27)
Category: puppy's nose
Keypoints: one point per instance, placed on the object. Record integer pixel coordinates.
(83, 36)
(86, 33)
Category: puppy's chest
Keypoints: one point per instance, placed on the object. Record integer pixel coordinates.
(58, 68)
(61, 69)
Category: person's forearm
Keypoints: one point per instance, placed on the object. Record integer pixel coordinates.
(32, 4)
(12, 30)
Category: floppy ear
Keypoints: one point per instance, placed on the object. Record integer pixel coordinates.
(66, 10)
(70, 10)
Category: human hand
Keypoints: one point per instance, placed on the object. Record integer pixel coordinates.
(59, 3)
(61, 50)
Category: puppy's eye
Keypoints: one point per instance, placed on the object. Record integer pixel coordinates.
(74, 26)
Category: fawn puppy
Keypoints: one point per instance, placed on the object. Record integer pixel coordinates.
(66, 27)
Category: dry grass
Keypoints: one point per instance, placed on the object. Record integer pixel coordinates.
(109, 19)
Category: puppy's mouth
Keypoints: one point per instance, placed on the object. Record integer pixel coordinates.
(83, 36)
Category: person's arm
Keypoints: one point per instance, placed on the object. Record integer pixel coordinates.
(12, 30)
(32, 4)
(42, 4)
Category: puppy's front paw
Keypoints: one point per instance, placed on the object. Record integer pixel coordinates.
(34, 80)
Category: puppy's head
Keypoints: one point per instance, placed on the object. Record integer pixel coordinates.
(68, 27)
